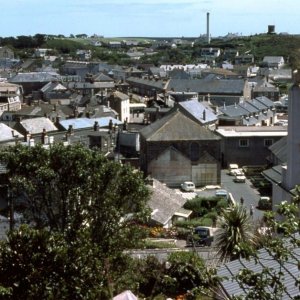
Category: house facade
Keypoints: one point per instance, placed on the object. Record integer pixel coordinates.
(11, 97)
(176, 148)
(248, 145)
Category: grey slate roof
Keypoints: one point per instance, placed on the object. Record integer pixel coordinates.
(164, 202)
(176, 127)
(290, 272)
(265, 101)
(37, 125)
(53, 86)
(273, 174)
(202, 86)
(34, 77)
(89, 85)
(196, 109)
(159, 84)
(279, 149)
(234, 110)
(6, 133)
(102, 77)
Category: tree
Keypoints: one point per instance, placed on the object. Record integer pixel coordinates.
(69, 188)
(85, 209)
(235, 234)
(40, 264)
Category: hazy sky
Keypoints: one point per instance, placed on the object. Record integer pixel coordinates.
(117, 18)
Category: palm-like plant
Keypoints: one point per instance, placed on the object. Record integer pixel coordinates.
(235, 234)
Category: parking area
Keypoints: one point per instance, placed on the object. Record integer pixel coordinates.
(237, 190)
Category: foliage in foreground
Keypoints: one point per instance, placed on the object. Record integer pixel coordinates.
(235, 233)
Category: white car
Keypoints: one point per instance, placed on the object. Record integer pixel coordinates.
(237, 172)
(233, 168)
(188, 186)
(239, 178)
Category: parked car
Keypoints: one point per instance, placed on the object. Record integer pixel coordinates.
(240, 178)
(264, 203)
(200, 237)
(222, 193)
(188, 186)
(232, 168)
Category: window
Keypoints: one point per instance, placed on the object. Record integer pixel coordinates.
(195, 151)
(244, 143)
(268, 142)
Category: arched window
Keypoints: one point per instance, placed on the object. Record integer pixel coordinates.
(195, 151)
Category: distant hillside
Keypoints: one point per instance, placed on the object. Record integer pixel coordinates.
(287, 46)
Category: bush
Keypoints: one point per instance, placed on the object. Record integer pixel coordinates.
(210, 202)
(190, 223)
(212, 215)
(223, 203)
(182, 233)
(206, 222)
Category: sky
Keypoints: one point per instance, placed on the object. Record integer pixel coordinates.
(147, 18)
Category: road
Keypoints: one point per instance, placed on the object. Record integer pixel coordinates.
(245, 190)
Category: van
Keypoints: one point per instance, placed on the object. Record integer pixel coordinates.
(188, 186)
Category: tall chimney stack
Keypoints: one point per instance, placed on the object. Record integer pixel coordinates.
(207, 28)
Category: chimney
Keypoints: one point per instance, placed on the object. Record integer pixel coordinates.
(57, 120)
(31, 142)
(45, 139)
(207, 28)
(27, 136)
(76, 112)
(96, 126)
(110, 124)
(125, 125)
(70, 130)
(204, 115)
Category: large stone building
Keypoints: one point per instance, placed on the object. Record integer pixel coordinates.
(176, 148)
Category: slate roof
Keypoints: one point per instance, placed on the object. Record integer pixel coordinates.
(289, 269)
(247, 107)
(258, 103)
(37, 125)
(89, 85)
(8, 87)
(34, 77)
(81, 123)
(102, 77)
(273, 59)
(202, 86)
(177, 127)
(265, 101)
(279, 149)
(234, 110)
(159, 84)
(43, 109)
(196, 109)
(273, 174)
(164, 202)
(6, 133)
(120, 95)
(53, 86)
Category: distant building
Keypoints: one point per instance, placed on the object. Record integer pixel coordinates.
(273, 61)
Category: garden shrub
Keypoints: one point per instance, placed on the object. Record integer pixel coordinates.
(212, 215)
(206, 222)
(222, 203)
(190, 223)
(182, 233)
